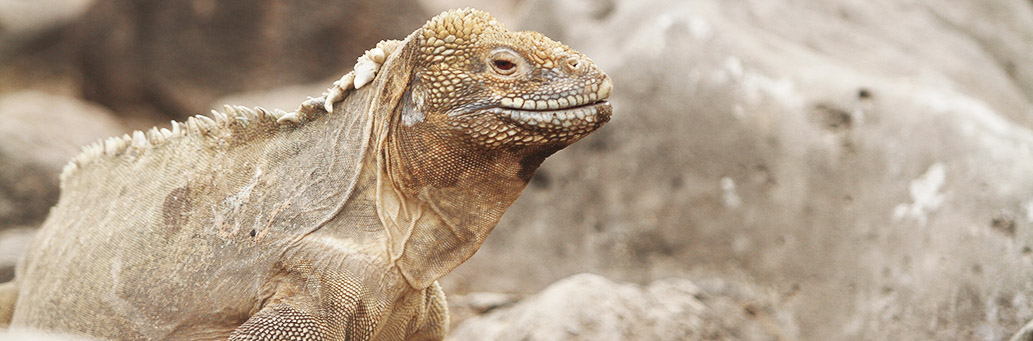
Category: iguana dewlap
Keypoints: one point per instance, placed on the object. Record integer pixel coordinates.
(319, 224)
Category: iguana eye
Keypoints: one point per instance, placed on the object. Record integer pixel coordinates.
(504, 65)
(504, 61)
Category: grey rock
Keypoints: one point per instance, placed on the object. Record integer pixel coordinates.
(284, 98)
(591, 307)
(13, 242)
(39, 134)
(173, 58)
(464, 306)
(1024, 334)
(38, 335)
(25, 22)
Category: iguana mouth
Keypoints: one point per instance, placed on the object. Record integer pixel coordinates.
(564, 110)
(590, 94)
(561, 118)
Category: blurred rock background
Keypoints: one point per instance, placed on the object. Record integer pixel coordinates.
(848, 170)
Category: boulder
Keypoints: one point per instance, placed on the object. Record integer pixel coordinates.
(23, 23)
(173, 58)
(13, 242)
(39, 134)
(32, 53)
(38, 335)
(286, 98)
(591, 307)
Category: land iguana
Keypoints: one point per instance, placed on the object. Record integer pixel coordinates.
(333, 221)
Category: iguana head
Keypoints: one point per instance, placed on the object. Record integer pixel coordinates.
(477, 108)
(504, 89)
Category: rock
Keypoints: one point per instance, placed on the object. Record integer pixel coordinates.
(32, 53)
(173, 58)
(25, 22)
(591, 307)
(39, 134)
(871, 158)
(286, 98)
(38, 335)
(464, 306)
(13, 242)
(1024, 334)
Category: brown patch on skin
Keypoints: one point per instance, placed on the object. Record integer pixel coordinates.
(175, 210)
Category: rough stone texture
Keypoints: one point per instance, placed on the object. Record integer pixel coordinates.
(31, 55)
(174, 57)
(284, 98)
(464, 306)
(22, 335)
(13, 242)
(590, 307)
(869, 160)
(39, 133)
(1024, 334)
(24, 22)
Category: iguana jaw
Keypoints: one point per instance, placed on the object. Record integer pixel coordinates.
(562, 125)
(537, 119)
(591, 94)
(563, 111)
(560, 119)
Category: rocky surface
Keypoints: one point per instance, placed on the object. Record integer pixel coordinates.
(26, 22)
(152, 60)
(591, 307)
(13, 242)
(174, 58)
(39, 133)
(1024, 334)
(35, 335)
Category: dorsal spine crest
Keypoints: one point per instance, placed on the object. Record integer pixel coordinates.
(237, 117)
(200, 126)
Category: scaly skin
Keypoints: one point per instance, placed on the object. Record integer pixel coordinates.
(330, 224)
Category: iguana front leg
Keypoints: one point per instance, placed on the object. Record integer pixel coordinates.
(283, 321)
(336, 306)
(435, 318)
(309, 305)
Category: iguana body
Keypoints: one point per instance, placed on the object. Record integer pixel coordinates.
(335, 225)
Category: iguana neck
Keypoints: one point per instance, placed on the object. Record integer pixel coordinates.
(449, 192)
